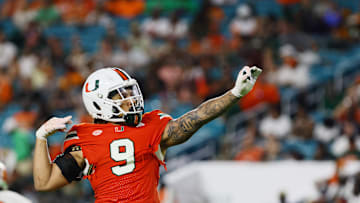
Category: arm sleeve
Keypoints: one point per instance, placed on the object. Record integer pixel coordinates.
(68, 165)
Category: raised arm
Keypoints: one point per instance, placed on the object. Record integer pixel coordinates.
(47, 175)
(179, 130)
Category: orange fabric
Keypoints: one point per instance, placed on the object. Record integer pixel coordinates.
(138, 185)
(333, 180)
(252, 154)
(6, 92)
(25, 119)
(8, 8)
(287, 2)
(71, 79)
(36, 4)
(216, 14)
(125, 8)
(202, 88)
(216, 41)
(195, 47)
(261, 93)
(73, 11)
(75, 78)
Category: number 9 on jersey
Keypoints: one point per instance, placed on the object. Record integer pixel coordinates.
(127, 155)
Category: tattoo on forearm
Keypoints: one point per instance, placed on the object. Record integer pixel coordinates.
(184, 127)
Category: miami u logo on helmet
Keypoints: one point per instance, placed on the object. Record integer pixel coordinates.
(95, 88)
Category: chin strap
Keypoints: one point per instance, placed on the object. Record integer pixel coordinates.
(133, 119)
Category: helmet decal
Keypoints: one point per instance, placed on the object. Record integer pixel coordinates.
(122, 74)
(95, 88)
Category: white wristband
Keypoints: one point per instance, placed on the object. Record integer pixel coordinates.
(41, 133)
(236, 92)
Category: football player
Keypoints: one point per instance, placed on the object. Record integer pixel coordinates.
(120, 153)
(8, 196)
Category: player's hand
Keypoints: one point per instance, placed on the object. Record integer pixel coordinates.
(245, 80)
(53, 125)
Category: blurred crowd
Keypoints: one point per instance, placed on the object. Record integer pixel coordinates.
(182, 53)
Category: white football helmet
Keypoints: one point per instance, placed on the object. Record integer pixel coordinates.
(100, 88)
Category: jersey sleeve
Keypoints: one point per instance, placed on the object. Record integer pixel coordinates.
(74, 142)
(159, 120)
(71, 138)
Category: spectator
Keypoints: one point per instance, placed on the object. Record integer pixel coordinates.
(348, 143)
(214, 41)
(139, 40)
(74, 11)
(20, 126)
(71, 79)
(104, 56)
(291, 72)
(33, 37)
(174, 28)
(8, 8)
(7, 195)
(8, 51)
(250, 150)
(155, 25)
(28, 63)
(23, 15)
(47, 15)
(79, 60)
(99, 16)
(303, 125)
(322, 153)
(301, 142)
(326, 131)
(272, 149)
(348, 109)
(275, 124)
(244, 24)
(42, 76)
(310, 56)
(6, 92)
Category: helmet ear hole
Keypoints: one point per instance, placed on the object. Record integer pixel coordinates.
(115, 110)
(97, 106)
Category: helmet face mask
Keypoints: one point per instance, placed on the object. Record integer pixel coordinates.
(126, 100)
(110, 94)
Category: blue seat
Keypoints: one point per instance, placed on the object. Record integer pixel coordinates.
(320, 73)
(209, 132)
(60, 31)
(353, 5)
(8, 27)
(96, 32)
(268, 7)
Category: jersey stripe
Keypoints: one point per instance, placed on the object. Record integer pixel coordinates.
(71, 136)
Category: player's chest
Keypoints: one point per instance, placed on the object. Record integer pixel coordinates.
(117, 139)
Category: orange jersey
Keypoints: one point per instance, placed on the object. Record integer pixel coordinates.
(123, 161)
